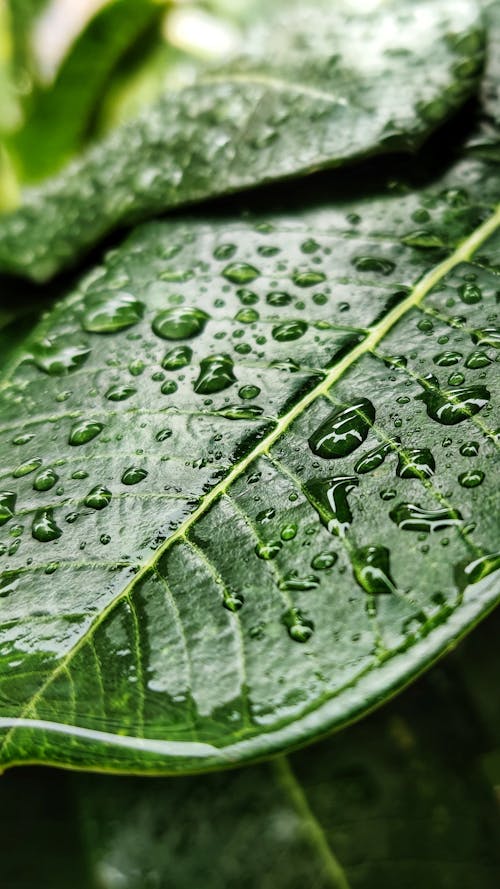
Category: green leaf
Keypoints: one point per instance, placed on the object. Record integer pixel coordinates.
(248, 489)
(305, 97)
(59, 115)
(386, 803)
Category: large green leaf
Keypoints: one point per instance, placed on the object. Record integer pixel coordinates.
(397, 800)
(326, 85)
(248, 484)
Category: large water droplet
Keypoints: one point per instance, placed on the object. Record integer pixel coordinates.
(374, 458)
(344, 430)
(329, 499)
(416, 463)
(45, 480)
(110, 311)
(470, 449)
(412, 517)
(477, 359)
(44, 527)
(490, 336)
(373, 264)
(371, 569)
(27, 467)
(7, 506)
(451, 406)
(84, 431)
(98, 498)
(180, 323)
(300, 629)
(216, 374)
(289, 330)
(470, 293)
(179, 356)
(473, 572)
(447, 359)
(308, 278)
(133, 475)
(471, 479)
(59, 355)
(240, 273)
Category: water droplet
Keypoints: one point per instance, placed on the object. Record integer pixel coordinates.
(456, 379)
(477, 360)
(343, 431)
(44, 527)
(249, 392)
(447, 359)
(288, 532)
(23, 439)
(278, 298)
(388, 494)
(163, 434)
(233, 602)
(216, 374)
(104, 539)
(84, 431)
(268, 550)
(79, 474)
(471, 479)
(110, 311)
(136, 367)
(179, 356)
(265, 516)
(300, 629)
(224, 251)
(240, 411)
(470, 293)
(241, 273)
(289, 330)
(470, 449)
(416, 463)
(472, 572)
(248, 315)
(490, 336)
(26, 468)
(180, 323)
(323, 561)
(133, 475)
(373, 264)
(371, 569)
(247, 297)
(309, 246)
(308, 278)
(425, 325)
(412, 517)
(423, 238)
(120, 393)
(169, 387)
(451, 406)
(7, 506)
(292, 583)
(45, 480)
(98, 498)
(374, 458)
(329, 499)
(59, 355)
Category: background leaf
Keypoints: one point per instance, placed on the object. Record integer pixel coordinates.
(308, 101)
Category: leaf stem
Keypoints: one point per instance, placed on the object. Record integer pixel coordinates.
(315, 833)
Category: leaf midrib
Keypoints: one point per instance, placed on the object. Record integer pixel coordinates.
(463, 253)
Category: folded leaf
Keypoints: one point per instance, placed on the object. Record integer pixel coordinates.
(248, 489)
(318, 89)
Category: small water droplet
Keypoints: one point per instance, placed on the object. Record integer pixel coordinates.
(472, 572)
(136, 367)
(98, 498)
(163, 434)
(268, 550)
(477, 360)
(224, 251)
(323, 561)
(248, 315)
(241, 411)
(470, 449)
(447, 359)
(344, 430)
(180, 323)
(59, 355)
(288, 532)
(470, 293)
(169, 387)
(292, 583)
(374, 458)
(373, 264)
(248, 392)
(84, 431)
(278, 298)
(416, 463)
(178, 357)
(423, 238)
(371, 569)
(44, 527)
(27, 467)
(120, 393)
(233, 602)
(309, 278)
(300, 629)
(23, 439)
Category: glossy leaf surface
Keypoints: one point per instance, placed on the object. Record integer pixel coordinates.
(306, 96)
(249, 487)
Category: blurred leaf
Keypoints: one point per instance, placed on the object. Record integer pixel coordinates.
(306, 97)
(59, 116)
